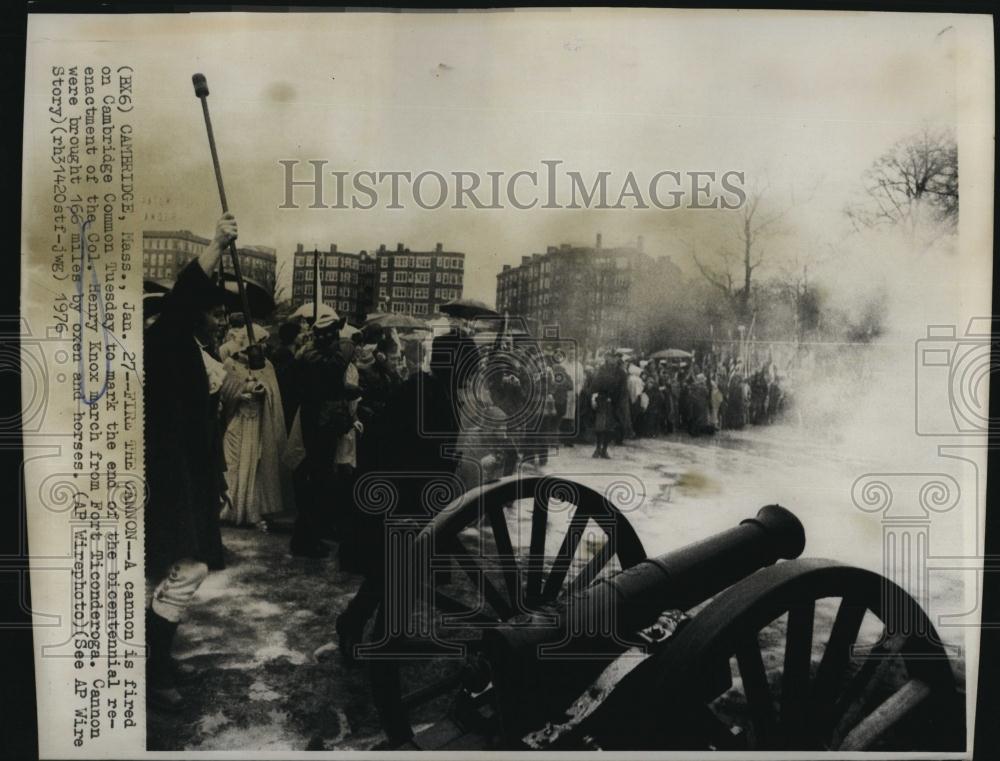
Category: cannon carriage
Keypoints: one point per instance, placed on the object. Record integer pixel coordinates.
(535, 620)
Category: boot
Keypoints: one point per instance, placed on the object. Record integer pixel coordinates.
(161, 681)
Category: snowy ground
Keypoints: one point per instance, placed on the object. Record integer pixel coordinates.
(255, 626)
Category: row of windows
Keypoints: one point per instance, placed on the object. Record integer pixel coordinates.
(158, 259)
(532, 271)
(334, 276)
(404, 276)
(158, 273)
(424, 262)
(398, 261)
(174, 245)
(332, 290)
(407, 308)
(403, 292)
(602, 281)
(424, 278)
(330, 261)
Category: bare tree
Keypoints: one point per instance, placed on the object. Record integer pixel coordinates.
(736, 261)
(918, 173)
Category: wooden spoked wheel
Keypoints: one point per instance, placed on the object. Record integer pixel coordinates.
(807, 654)
(507, 549)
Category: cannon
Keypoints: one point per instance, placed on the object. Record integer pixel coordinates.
(545, 626)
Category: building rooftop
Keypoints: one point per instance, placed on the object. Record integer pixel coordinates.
(185, 234)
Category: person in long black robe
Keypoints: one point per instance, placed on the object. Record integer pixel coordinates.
(185, 466)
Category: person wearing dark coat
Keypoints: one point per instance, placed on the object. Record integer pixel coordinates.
(653, 418)
(562, 393)
(283, 359)
(607, 391)
(407, 447)
(698, 405)
(185, 466)
(325, 416)
(735, 404)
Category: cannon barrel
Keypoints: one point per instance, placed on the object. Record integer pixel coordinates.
(539, 668)
(687, 577)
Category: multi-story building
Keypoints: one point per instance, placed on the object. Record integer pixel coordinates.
(418, 282)
(338, 279)
(165, 254)
(589, 292)
(400, 281)
(258, 264)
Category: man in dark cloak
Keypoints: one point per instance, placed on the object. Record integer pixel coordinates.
(185, 467)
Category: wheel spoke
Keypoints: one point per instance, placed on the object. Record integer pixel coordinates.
(887, 715)
(850, 706)
(474, 569)
(536, 552)
(590, 571)
(832, 668)
(567, 550)
(796, 674)
(505, 550)
(758, 693)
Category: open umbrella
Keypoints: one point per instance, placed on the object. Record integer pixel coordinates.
(260, 301)
(397, 321)
(671, 354)
(467, 309)
(306, 311)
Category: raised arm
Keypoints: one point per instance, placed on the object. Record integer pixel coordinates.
(225, 231)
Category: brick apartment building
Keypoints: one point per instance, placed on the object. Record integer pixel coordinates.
(400, 281)
(165, 254)
(588, 291)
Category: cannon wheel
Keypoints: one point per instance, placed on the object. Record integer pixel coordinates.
(507, 577)
(859, 657)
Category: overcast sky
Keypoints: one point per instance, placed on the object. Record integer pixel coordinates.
(806, 101)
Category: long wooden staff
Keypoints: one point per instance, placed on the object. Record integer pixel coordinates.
(255, 355)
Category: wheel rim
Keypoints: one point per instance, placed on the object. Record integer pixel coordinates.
(523, 563)
(858, 655)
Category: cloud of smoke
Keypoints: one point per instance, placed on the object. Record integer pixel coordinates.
(882, 289)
